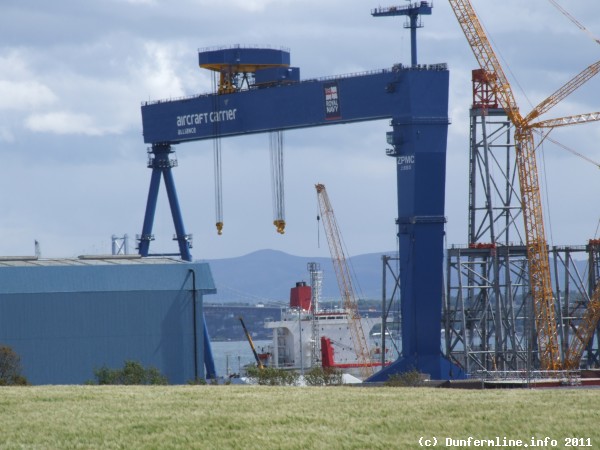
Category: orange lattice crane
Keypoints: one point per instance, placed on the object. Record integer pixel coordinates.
(344, 281)
(537, 248)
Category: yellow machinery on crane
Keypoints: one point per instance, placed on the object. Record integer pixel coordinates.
(342, 273)
(537, 248)
(259, 363)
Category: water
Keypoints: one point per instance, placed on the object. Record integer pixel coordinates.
(231, 356)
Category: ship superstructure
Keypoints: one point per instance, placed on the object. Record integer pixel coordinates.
(306, 337)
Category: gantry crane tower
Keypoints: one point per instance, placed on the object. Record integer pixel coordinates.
(413, 12)
(344, 279)
(537, 249)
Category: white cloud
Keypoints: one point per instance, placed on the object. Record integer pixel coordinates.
(13, 64)
(158, 72)
(6, 135)
(20, 88)
(79, 96)
(63, 123)
(138, 2)
(252, 5)
(24, 95)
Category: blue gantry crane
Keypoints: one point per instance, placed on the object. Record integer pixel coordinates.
(260, 92)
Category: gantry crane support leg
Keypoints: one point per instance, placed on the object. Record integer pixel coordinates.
(161, 165)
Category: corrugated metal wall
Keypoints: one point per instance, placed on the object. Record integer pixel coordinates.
(65, 321)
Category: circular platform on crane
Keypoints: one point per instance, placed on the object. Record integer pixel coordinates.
(243, 60)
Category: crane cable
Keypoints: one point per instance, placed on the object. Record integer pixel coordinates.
(505, 64)
(217, 166)
(218, 185)
(277, 179)
(595, 39)
(548, 213)
(575, 21)
(545, 136)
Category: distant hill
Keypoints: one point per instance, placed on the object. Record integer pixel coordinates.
(268, 275)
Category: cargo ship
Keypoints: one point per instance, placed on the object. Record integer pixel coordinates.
(307, 336)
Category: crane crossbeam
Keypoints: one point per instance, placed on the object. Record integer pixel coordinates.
(374, 95)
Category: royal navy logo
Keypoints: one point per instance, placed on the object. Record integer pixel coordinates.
(332, 102)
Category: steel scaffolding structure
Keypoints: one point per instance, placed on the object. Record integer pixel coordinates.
(593, 353)
(487, 308)
(488, 300)
(495, 213)
(488, 313)
(574, 294)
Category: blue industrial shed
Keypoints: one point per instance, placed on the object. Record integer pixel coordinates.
(67, 317)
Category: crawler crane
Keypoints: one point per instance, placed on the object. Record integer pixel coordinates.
(344, 281)
(537, 248)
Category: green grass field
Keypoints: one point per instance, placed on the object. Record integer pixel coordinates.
(253, 417)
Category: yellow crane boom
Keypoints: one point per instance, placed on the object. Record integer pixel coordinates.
(344, 280)
(584, 331)
(486, 57)
(564, 91)
(537, 248)
(259, 363)
(568, 120)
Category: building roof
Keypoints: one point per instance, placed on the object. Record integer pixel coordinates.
(85, 260)
(96, 273)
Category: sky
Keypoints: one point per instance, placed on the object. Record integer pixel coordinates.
(73, 75)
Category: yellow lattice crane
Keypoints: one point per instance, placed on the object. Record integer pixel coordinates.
(344, 280)
(537, 248)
